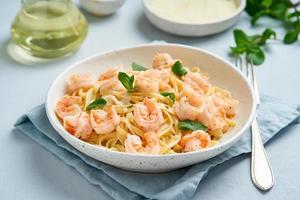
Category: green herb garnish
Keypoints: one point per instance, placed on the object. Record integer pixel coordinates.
(273, 8)
(98, 103)
(138, 67)
(284, 11)
(189, 125)
(126, 80)
(170, 95)
(178, 69)
(250, 46)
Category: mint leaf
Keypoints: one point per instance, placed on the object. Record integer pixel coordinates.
(126, 80)
(266, 3)
(262, 39)
(178, 69)
(257, 57)
(268, 33)
(291, 37)
(250, 45)
(170, 95)
(98, 103)
(240, 38)
(138, 67)
(294, 14)
(236, 51)
(278, 10)
(258, 15)
(189, 125)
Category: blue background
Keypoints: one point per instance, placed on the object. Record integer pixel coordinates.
(28, 171)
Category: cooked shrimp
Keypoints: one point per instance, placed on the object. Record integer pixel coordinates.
(68, 105)
(197, 81)
(162, 60)
(133, 143)
(195, 141)
(194, 98)
(208, 113)
(84, 128)
(105, 121)
(146, 85)
(152, 143)
(112, 84)
(184, 110)
(109, 81)
(148, 116)
(229, 105)
(110, 73)
(80, 81)
(78, 125)
(153, 80)
(212, 116)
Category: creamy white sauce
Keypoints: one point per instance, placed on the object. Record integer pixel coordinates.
(193, 11)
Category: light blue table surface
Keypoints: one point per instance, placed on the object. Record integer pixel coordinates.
(28, 171)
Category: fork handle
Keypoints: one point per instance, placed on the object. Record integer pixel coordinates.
(261, 172)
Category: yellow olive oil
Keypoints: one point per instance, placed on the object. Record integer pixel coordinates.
(49, 28)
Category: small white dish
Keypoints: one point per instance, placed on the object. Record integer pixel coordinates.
(102, 7)
(221, 73)
(193, 29)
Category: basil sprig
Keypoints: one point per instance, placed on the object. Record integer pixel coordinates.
(126, 80)
(170, 95)
(178, 69)
(285, 11)
(189, 125)
(138, 67)
(251, 45)
(98, 103)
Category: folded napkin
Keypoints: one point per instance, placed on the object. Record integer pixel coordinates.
(273, 115)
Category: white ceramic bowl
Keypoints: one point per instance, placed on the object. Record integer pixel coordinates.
(221, 73)
(102, 7)
(194, 29)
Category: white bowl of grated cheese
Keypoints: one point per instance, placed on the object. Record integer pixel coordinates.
(193, 17)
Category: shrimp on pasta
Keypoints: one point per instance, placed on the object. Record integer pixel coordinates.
(162, 107)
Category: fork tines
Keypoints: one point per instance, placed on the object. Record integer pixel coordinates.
(247, 69)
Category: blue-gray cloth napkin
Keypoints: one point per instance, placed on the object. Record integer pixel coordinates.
(273, 115)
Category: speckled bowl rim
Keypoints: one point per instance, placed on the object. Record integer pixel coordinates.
(59, 128)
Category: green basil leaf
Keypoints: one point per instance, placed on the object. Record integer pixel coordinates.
(262, 39)
(126, 80)
(98, 103)
(236, 51)
(278, 10)
(266, 3)
(170, 95)
(138, 67)
(291, 37)
(257, 56)
(254, 6)
(240, 37)
(189, 125)
(294, 14)
(268, 33)
(258, 15)
(178, 69)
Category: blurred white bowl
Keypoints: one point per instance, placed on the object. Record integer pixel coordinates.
(102, 7)
(220, 72)
(194, 29)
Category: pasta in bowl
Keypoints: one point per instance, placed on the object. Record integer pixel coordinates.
(154, 113)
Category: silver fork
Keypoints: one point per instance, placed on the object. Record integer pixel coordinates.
(261, 172)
